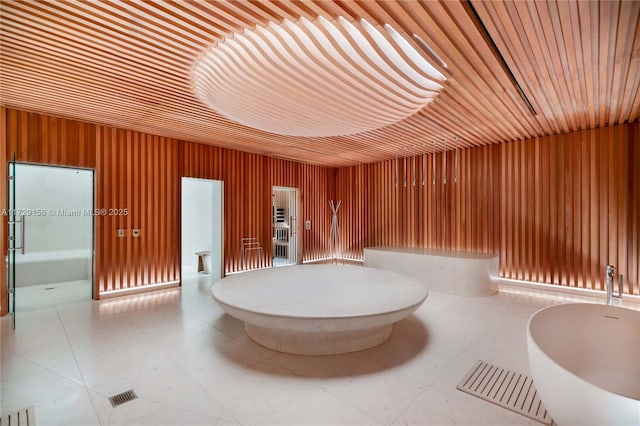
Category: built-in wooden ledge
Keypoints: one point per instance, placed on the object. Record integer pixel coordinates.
(462, 273)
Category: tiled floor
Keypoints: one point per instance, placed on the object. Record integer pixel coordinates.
(190, 364)
(34, 297)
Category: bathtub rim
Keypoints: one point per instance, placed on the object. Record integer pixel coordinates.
(581, 379)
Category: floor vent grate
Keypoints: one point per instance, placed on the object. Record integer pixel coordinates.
(24, 417)
(123, 397)
(505, 388)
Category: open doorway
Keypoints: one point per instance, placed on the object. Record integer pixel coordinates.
(52, 235)
(285, 226)
(202, 212)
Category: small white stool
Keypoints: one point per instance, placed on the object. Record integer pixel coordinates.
(202, 261)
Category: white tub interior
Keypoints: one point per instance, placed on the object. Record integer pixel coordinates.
(603, 348)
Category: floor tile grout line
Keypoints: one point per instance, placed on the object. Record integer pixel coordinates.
(267, 356)
(139, 372)
(170, 406)
(429, 384)
(290, 403)
(448, 366)
(466, 348)
(49, 296)
(352, 407)
(44, 367)
(75, 358)
(187, 374)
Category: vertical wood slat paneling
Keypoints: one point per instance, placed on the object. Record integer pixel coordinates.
(202, 161)
(142, 172)
(517, 199)
(317, 187)
(591, 187)
(137, 172)
(3, 205)
(633, 197)
(378, 209)
(132, 170)
(557, 209)
(249, 180)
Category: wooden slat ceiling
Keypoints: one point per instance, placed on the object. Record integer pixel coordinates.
(316, 78)
(130, 64)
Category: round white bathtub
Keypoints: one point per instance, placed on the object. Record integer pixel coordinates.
(585, 363)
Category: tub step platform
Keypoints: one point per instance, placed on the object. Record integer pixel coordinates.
(505, 388)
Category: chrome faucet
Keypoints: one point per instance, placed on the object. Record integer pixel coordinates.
(609, 274)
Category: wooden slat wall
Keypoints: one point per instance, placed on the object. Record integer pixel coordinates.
(202, 161)
(556, 209)
(570, 207)
(396, 202)
(3, 205)
(351, 190)
(133, 171)
(633, 227)
(142, 172)
(40, 138)
(249, 180)
(139, 172)
(247, 210)
(317, 187)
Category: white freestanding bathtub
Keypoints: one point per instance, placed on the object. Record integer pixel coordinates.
(585, 363)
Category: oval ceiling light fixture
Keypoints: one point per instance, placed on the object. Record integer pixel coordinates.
(316, 78)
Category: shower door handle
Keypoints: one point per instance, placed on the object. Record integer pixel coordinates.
(12, 239)
(292, 225)
(22, 233)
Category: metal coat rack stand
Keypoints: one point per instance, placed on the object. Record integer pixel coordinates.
(335, 244)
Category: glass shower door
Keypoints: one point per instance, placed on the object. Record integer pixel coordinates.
(15, 235)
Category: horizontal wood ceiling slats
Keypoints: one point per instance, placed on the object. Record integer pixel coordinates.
(579, 69)
(130, 64)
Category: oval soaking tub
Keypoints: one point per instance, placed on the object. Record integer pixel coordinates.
(585, 363)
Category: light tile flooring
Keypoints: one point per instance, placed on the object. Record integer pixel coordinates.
(190, 364)
(34, 297)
